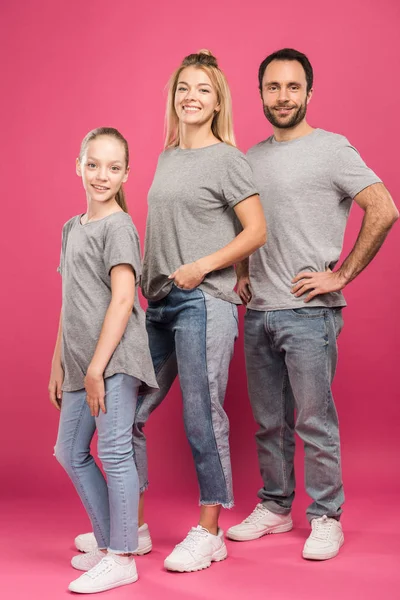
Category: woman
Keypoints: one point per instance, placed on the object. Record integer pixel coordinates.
(204, 216)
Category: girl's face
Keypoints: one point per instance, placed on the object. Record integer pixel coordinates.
(103, 168)
(196, 99)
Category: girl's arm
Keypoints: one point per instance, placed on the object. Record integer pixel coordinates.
(57, 373)
(114, 325)
(254, 235)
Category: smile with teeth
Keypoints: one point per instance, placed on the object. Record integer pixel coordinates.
(191, 108)
(101, 188)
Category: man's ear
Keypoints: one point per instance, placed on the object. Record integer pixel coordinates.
(309, 95)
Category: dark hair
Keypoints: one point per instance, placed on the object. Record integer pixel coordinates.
(111, 132)
(288, 54)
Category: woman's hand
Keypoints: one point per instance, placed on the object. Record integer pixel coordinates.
(95, 391)
(55, 385)
(188, 276)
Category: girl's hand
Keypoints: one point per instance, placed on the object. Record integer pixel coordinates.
(188, 276)
(95, 393)
(55, 385)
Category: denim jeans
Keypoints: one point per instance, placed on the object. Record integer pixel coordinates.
(291, 359)
(112, 505)
(192, 334)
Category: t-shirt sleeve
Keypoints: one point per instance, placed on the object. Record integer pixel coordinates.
(64, 237)
(237, 182)
(121, 247)
(350, 175)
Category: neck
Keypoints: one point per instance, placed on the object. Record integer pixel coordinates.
(191, 136)
(292, 133)
(99, 210)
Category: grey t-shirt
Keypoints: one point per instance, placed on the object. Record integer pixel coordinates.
(306, 189)
(190, 215)
(87, 256)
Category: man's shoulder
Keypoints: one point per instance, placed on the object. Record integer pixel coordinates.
(260, 147)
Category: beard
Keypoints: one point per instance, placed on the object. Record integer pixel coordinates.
(294, 119)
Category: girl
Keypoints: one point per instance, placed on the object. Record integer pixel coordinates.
(100, 359)
(202, 187)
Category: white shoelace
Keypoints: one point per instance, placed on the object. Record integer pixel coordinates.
(103, 566)
(257, 514)
(192, 539)
(321, 528)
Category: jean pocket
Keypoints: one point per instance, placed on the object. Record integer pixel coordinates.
(309, 312)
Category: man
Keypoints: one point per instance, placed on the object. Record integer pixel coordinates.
(307, 179)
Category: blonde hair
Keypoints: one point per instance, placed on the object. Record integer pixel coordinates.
(222, 123)
(111, 132)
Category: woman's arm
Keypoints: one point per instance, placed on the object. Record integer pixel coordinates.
(57, 373)
(254, 235)
(114, 325)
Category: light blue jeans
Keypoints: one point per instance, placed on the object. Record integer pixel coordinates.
(111, 505)
(291, 360)
(192, 334)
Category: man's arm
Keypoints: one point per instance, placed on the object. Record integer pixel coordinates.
(380, 214)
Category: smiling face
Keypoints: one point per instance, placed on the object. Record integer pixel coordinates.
(196, 100)
(284, 93)
(103, 168)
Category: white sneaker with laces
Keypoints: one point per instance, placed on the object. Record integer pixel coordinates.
(86, 542)
(85, 562)
(325, 540)
(107, 574)
(197, 551)
(260, 522)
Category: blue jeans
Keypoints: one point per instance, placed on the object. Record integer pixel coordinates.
(291, 359)
(192, 334)
(112, 505)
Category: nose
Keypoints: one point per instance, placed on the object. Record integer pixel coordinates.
(190, 94)
(102, 173)
(283, 94)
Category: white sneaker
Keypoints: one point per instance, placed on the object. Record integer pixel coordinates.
(325, 540)
(86, 542)
(107, 574)
(197, 551)
(260, 522)
(85, 562)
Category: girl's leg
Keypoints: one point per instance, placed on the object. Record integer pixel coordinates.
(115, 451)
(72, 451)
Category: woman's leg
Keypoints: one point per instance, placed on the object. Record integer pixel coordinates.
(72, 451)
(115, 451)
(204, 338)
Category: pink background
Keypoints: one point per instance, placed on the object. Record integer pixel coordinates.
(72, 66)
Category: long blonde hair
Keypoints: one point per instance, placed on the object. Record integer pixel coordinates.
(222, 123)
(111, 132)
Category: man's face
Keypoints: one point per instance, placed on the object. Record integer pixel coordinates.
(284, 93)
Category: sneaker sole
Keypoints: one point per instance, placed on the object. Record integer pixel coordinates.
(103, 588)
(237, 537)
(219, 555)
(86, 549)
(326, 556)
(145, 550)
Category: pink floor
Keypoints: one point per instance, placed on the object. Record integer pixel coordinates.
(39, 534)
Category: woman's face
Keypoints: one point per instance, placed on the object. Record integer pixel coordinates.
(196, 99)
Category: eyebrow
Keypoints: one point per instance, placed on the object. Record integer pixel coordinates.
(280, 83)
(111, 162)
(197, 84)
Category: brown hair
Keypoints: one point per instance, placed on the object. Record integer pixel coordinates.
(111, 132)
(222, 123)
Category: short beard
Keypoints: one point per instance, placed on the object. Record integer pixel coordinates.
(297, 116)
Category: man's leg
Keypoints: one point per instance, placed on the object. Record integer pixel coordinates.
(273, 408)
